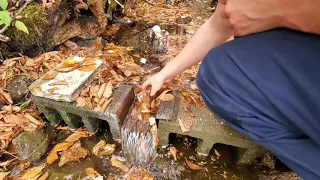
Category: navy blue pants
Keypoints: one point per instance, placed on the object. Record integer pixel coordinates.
(267, 86)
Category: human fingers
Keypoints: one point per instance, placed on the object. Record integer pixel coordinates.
(146, 84)
(155, 88)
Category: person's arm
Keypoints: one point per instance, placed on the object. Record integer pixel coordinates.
(301, 15)
(211, 34)
(248, 17)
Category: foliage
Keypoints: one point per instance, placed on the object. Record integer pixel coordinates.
(6, 19)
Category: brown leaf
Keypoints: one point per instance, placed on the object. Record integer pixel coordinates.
(7, 96)
(193, 166)
(81, 102)
(141, 173)
(32, 119)
(103, 149)
(37, 88)
(31, 173)
(88, 102)
(68, 69)
(44, 176)
(5, 135)
(59, 82)
(58, 147)
(116, 163)
(52, 90)
(49, 76)
(30, 127)
(105, 105)
(87, 68)
(108, 91)
(173, 151)
(188, 110)
(91, 172)
(76, 136)
(101, 90)
(15, 119)
(167, 97)
(185, 124)
(7, 163)
(3, 175)
(73, 154)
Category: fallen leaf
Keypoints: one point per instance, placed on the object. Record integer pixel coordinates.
(7, 163)
(108, 91)
(101, 90)
(73, 154)
(7, 96)
(87, 68)
(193, 166)
(32, 119)
(88, 102)
(15, 119)
(44, 176)
(105, 105)
(31, 173)
(3, 175)
(5, 135)
(103, 149)
(76, 136)
(68, 69)
(141, 173)
(91, 172)
(24, 165)
(37, 88)
(52, 90)
(187, 109)
(173, 151)
(30, 127)
(185, 125)
(59, 82)
(49, 76)
(116, 163)
(167, 97)
(53, 156)
(217, 153)
(81, 102)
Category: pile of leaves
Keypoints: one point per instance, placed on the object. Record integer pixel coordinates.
(14, 120)
(159, 13)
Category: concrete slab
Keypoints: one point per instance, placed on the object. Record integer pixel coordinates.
(206, 127)
(115, 113)
(76, 80)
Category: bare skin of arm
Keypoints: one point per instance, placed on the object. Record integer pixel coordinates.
(247, 17)
(211, 34)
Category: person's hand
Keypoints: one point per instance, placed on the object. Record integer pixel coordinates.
(155, 82)
(251, 16)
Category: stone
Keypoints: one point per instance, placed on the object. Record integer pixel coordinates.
(18, 89)
(207, 128)
(30, 146)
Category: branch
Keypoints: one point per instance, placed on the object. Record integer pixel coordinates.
(17, 13)
(4, 38)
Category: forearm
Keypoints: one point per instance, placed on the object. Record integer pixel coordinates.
(211, 34)
(301, 15)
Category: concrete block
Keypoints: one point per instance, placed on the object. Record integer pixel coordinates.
(52, 115)
(114, 114)
(206, 127)
(72, 120)
(76, 81)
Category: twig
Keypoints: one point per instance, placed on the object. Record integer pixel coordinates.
(4, 38)
(17, 13)
(6, 152)
(119, 3)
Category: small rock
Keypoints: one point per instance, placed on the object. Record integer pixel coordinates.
(18, 89)
(31, 146)
(269, 161)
